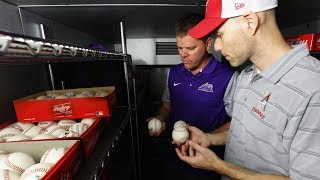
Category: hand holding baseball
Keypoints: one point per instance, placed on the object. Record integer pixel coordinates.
(155, 126)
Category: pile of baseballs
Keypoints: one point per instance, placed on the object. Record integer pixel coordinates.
(70, 94)
(45, 130)
(20, 165)
(180, 134)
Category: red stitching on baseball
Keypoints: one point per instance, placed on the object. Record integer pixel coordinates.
(12, 166)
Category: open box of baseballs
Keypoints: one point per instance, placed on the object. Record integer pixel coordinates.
(66, 104)
(87, 130)
(47, 159)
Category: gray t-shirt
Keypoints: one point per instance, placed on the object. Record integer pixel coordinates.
(275, 125)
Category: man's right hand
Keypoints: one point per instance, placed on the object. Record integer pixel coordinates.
(198, 136)
(156, 132)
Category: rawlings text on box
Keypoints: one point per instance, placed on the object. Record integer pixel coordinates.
(65, 168)
(30, 110)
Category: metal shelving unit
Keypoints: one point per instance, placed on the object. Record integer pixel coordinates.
(18, 49)
(12, 45)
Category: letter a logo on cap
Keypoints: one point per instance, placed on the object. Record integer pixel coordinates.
(238, 5)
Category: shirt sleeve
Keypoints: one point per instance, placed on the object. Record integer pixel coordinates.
(166, 92)
(229, 93)
(305, 147)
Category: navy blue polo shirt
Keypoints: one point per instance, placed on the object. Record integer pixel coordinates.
(198, 99)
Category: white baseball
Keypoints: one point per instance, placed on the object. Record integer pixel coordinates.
(6, 174)
(154, 124)
(80, 96)
(69, 134)
(36, 171)
(46, 124)
(101, 94)
(43, 136)
(21, 126)
(2, 155)
(18, 162)
(61, 97)
(87, 93)
(55, 130)
(2, 140)
(79, 128)
(180, 135)
(88, 121)
(19, 137)
(70, 94)
(9, 132)
(53, 155)
(33, 131)
(66, 124)
(179, 124)
(43, 97)
(53, 95)
(25, 126)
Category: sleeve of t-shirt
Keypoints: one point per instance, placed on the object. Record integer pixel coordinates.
(229, 93)
(305, 147)
(166, 93)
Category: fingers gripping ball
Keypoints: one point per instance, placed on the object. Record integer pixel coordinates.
(154, 125)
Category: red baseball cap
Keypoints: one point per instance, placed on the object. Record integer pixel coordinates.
(218, 11)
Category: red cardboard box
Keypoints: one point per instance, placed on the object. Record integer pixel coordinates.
(30, 110)
(66, 168)
(312, 41)
(91, 136)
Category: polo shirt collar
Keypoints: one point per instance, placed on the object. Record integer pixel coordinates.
(285, 63)
(208, 69)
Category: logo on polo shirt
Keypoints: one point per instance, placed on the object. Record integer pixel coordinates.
(176, 84)
(260, 108)
(206, 88)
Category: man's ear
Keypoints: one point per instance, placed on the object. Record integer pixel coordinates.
(209, 43)
(250, 21)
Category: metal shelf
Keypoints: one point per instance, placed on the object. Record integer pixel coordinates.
(108, 141)
(24, 48)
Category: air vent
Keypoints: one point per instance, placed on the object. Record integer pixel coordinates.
(166, 48)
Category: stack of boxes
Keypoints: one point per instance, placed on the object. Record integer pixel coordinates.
(72, 118)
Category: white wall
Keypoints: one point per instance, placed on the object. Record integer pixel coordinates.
(143, 52)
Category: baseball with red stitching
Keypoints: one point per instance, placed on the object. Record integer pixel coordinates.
(79, 128)
(66, 123)
(46, 124)
(17, 162)
(53, 155)
(36, 171)
(6, 174)
(55, 130)
(33, 131)
(9, 132)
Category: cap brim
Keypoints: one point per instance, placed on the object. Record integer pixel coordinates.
(205, 27)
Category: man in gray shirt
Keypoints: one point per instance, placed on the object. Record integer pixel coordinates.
(274, 104)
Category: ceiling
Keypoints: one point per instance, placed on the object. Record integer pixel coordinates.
(146, 18)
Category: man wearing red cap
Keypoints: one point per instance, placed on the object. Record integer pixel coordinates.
(274, 103)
